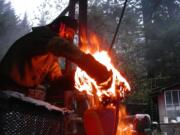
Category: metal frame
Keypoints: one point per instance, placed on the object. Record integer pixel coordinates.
(82, 23)
(82, 15)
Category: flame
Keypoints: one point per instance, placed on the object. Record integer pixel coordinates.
(118, 89)
(83, 82)
(124, 127)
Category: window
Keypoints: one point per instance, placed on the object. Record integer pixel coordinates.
(172, 102)
(168, 98)
(175, 97)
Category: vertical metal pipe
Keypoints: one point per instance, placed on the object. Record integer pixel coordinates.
(71, 6)
(82, 22)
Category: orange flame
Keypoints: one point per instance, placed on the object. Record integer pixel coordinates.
(83, 82)
(124, 127)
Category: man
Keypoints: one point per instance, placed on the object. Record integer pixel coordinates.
(32, 60)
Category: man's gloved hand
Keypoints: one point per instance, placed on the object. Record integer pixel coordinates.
(94, 69)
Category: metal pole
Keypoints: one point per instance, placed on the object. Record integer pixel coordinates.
(82, 22)
(118, 26)
(68, 68)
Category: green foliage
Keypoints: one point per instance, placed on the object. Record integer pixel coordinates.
(162, 36)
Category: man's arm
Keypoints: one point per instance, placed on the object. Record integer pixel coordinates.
(86, 62)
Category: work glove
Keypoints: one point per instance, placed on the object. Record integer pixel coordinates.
(94, 69)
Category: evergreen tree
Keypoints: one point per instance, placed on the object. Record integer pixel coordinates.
(8, 22)
(24, 26)
(161, 25)
(11, 27)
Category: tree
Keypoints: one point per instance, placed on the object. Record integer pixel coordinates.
(7, 23)
(24, 26)
(48, 10)
(161, 25)
(11, 27)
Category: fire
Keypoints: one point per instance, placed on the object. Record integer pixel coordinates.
(83, 82)
(124, 127)
(99, 93)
